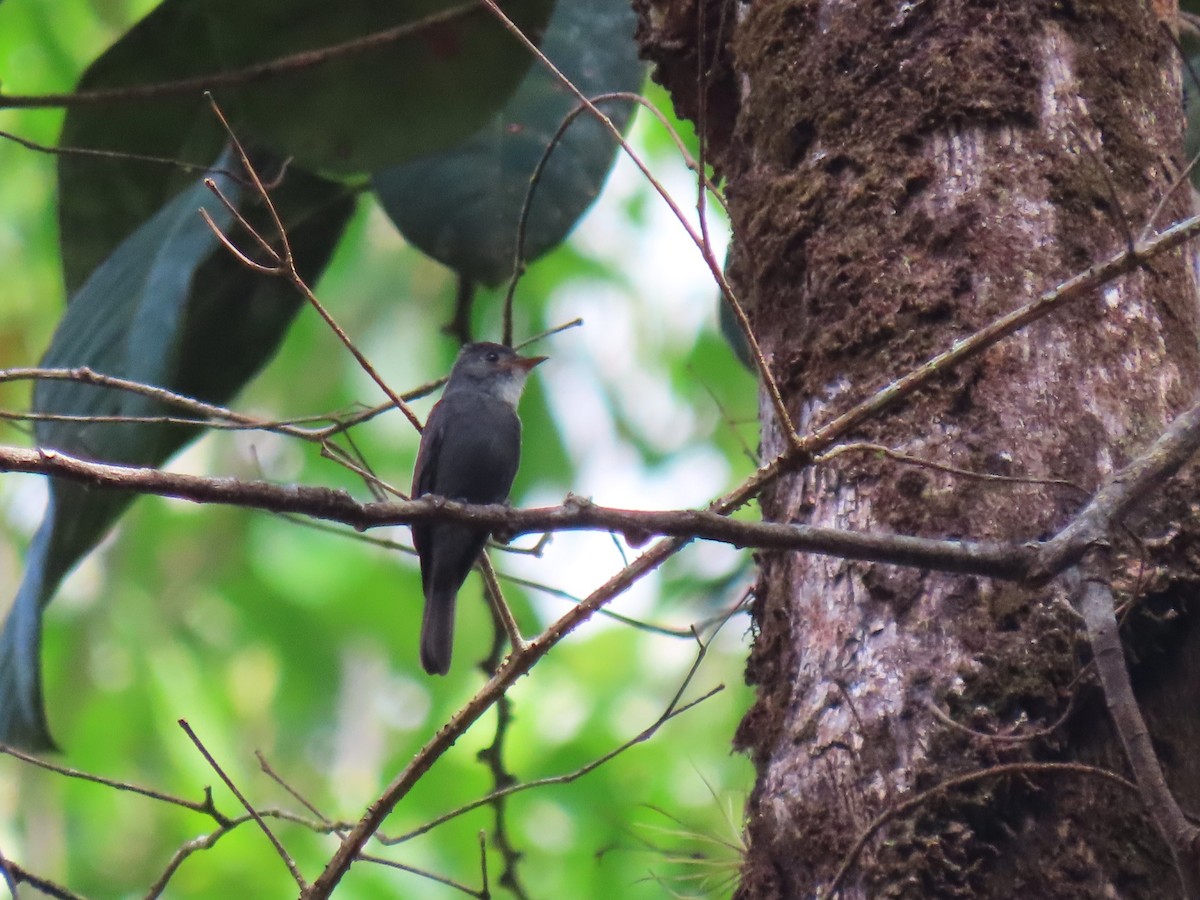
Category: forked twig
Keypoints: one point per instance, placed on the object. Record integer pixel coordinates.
(254, 814)
(287, 267)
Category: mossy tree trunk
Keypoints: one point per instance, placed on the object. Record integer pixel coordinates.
(899, 175)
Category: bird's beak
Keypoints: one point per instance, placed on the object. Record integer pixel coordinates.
(526, 363)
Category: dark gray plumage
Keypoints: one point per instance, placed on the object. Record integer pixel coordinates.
(469, 451)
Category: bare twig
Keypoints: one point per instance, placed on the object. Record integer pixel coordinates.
(295, 794)
(424, 873)
(208, 841)
(1013, 738)
(535, 178)
(674, 708)
(921, 462)
(495, 597)
(274, 68)
(205, 807)
(483, 867)
(697, 236)
(210, 415)
(664, 630)
(287, 268)
(182, 165)
(492, 756)
(574, 323)
(16, 874)
(1072, 289)
(258, 819)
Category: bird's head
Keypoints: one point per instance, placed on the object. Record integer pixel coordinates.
(492, 369)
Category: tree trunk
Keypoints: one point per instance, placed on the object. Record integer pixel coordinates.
(901, 174)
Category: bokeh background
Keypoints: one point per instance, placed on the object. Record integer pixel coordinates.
(269, 635)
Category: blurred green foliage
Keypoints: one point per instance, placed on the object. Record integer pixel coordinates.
(268, 635)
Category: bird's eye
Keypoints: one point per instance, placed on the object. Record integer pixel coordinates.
(493, 357)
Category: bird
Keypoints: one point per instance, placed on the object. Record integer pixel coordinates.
(470, 450)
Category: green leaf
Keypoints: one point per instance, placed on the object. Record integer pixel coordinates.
(170, 307)
(1191, 108)
(461, 206)
(354, 113)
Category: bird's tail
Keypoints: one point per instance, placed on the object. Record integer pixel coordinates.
(437, 631)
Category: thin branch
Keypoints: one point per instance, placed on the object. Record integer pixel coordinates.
(519, 265)
(181, 854)
(691, 162)
(288, 270)
(710, 260)
(483, 867)
(664, 630)
(264, 245)
(118, 155)
(258, 819)
(205, 807)
(208, 841)
(423, 873)
(565, 778)
(1072, 289)
(492, 756)
(495, 597)
(1013, 738)
(921, 462)
(17, 874)
(295, 794)
(210, 415)
(674, 708)
(542, 335)
(306, 59)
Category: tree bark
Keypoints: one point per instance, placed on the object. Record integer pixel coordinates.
(899, 175)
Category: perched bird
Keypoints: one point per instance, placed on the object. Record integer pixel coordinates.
(469, 451)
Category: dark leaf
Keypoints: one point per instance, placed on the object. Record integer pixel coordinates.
(356, 113)
(170, 307)
(461, 206)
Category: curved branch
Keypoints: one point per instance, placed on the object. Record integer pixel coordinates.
(1096, 603)
(306, 59)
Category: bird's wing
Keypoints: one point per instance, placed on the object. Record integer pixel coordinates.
(425, 470)
(481, 444)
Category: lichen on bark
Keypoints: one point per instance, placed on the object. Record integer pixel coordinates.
(900, 174)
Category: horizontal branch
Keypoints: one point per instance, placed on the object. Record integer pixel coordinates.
(575, 514)
(1013, 561)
